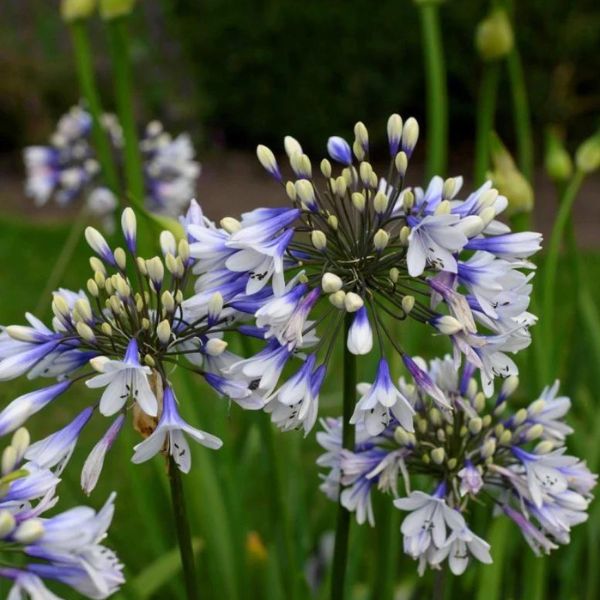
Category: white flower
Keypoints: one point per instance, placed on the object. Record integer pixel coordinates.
(124, 379)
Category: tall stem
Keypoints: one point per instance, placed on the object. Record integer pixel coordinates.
(119, 52)
(342, 531)
(437, 98)
(182, 526)
(89, 91)
(486, 110)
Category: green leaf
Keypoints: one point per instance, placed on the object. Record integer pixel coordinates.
(160, 572)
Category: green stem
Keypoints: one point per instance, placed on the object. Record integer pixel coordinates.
(523, 133)
(342, 532)
(63, 260)
(486, 110)
(182, 526)
(437, 97)
(386, 551)
(551, 266)
(89, 91)
(118, 42)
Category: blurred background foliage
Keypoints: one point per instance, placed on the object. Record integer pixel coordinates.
(246, 72)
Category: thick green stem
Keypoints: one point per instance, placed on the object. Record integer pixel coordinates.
(118, 42)
(486, 110)
(523, 133)
(63, 260)
(437, 97)
(182, 527)
(342, 531)
(89, 91)
(551, 267)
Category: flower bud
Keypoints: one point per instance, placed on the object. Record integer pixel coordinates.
(129, 227)
(544, 447)
(519, 417)
(83, 308)
(361, 134)
(306, 193)
(7, 523)
(408, 199)
(20, 442)
(168, 244)
(267, 160)
(534, 432)
(72, 10)
(394, 132)
(364, 170)
(319, 239)
(326, 168)
(494, 36)
(443, 208)
(475, 425)
(168, 302)
(29, 531)
(331, 283)
(106, 329)
(358, 150)
(448, 325)
(404, 233)
(332, 220)
(215, 346)
(111, 9)
(156, 270)
(489, 448)
(381, 239)
(85, 331)
(587, 157)
(508, 179)
(438, 455)
(380, 203)
(408, 303)
(341, 185)
(401, 436)
(215, 306)
(358, 201)
(401, 163)
(410, 135)
(290, 190)
(394, 274)
(163, 332)
(97, 265)
(92, 288)
(292, 146)
(557, 161)
(353, 302)
(9, 460)
(337, 299)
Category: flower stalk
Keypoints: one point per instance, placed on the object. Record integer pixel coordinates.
(437, 97)
(89, 90)
(486, 110)
(119, 52)
(182, 527)
(342, 531)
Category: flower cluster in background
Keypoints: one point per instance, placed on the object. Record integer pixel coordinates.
(67, 169)
(65, 547)
(478, 452)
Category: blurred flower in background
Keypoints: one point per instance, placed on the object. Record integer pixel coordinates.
(67, 169)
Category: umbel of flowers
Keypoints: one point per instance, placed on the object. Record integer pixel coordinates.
(37, 548)
(366, 247)
(479, 451)
(125, 336)
(67, 169)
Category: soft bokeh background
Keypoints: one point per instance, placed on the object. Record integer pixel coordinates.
(234, 74)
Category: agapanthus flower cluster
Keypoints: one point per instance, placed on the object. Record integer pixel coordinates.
(477, 452)
(368, 248)
(67, 169)
(37, 548)
(135, 325)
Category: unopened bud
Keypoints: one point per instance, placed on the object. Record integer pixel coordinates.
(448, 325)
(544, 447)
(149, 360)
(443, 208)
(306, 193)
(438, 455)
(331, 283)
(168, 244)
(337, 299)
(106, 329)
(326, 168)
(381, 239)
(83, 308)
(290, 190)
(408, 199)
(7, 523)
(394, 132)
(489, 448)
(401, 436)
(333, 222)
(449, 188)
(404, 233)
(163, 332)
(358, 201)
(494, 36)
(475, 425)
(156, 270)
(520, 417)
(168, 302)
(292, 146)
(534, 432)
(408, 303)
(29, 531)
(410, 135)
(85, 331)
(73, 10)
(120, 258)
(215, 346)
(141, 263)
(92, 288)
(380, 203)
(401, 163)
(318, 239)
(358, 150)
(20, 442)
(215, 306)
(557, 161)
(267, 160)
(230, 225)
(394, 274)
(587, 156)
(353, 302)
(9, 460)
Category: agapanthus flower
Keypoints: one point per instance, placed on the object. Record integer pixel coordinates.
(366, 250)
(477, 451)
(67, 169)
(65, 547)
(124, 338)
